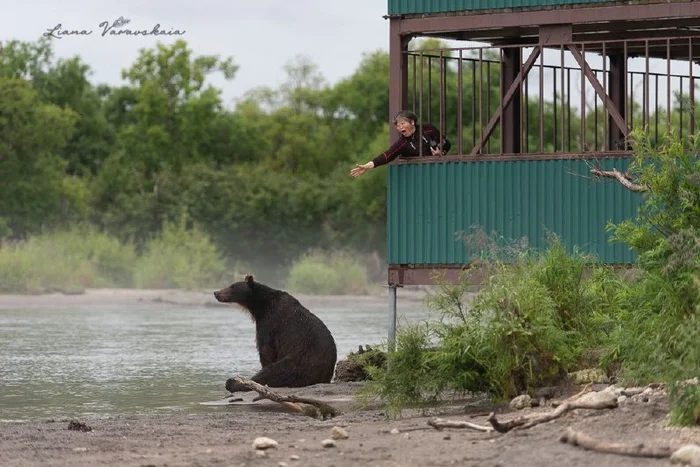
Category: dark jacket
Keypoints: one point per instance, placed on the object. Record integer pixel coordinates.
(408, 146)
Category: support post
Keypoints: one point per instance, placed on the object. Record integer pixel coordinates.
(398, 73)
(392, 317)
(617, 90)
(510, 123)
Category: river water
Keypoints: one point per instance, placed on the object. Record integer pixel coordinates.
(99, 361)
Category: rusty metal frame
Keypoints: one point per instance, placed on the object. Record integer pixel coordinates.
(618, 32)
(514, 157)
(519, 19)
(410, 274)
(609, 105)
(506, 99)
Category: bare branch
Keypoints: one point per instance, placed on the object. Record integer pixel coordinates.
(290, 401)
(577, 438)
(592, 401)
(620, 177)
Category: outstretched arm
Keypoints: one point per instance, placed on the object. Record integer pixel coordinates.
(384, 158)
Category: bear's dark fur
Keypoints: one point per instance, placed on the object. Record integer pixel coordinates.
(296, 349)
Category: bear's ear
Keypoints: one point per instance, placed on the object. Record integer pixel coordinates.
(249, 280)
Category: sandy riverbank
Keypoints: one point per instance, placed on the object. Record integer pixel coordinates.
(127, 297)
(224, 436)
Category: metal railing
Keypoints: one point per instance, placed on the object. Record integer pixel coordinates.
(581, 97)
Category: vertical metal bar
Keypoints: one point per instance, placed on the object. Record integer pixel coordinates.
(568, 105)
(430, 91)
(668, 85)
(392, 318)
(691, 85)
(563, 107)
(501, 85)
(605, 104)
(554, 74)
(595, 118)
(542, 103)
(680, 103)
(646, 111)
(527, 113)
(481, 93)
(656, 109)
(630, 112)
(420, 102)
(583, 101)
(488, 100)
(442, 99)
(414, 82)
(523, 98)
(473, 102)
(460, 97)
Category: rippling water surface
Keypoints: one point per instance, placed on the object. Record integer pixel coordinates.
(108, 360)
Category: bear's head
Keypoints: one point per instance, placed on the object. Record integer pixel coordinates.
(240, 293)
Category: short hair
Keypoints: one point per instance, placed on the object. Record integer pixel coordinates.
(406, 115)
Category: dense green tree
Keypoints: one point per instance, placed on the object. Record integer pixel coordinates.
(32, 135)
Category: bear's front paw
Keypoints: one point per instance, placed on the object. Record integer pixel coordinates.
(233, 386)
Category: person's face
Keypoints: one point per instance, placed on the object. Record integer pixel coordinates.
(406, 127)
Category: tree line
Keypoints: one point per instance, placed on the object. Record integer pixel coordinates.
(267, 180)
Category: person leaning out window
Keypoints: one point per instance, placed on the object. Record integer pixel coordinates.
(408, 143)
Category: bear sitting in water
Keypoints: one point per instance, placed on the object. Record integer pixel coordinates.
(296, 349)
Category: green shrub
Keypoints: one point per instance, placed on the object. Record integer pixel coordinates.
(657, 334)
(408, 378)
(112, 260)
(68, 261)
(320, 273)
(534, 321)
(180, 257)
(685, 403)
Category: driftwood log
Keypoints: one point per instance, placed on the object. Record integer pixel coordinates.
(577, 438)
(314, 408)
(591, 401)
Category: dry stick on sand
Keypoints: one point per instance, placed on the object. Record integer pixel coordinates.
(593, 401)
(293, 402)
(577, 438)
(440, 423)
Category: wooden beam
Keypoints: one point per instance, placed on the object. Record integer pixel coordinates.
(609, 104)
(506, 100)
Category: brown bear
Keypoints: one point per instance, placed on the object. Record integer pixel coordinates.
(296, 348)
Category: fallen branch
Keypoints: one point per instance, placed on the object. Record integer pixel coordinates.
(440, 423)
(577, 438)
(592, 401)
(293, 402)
(620, 177)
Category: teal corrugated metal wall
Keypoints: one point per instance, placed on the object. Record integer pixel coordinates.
(429, 204)
(397, 7)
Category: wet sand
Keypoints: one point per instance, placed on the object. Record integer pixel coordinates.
(225, 437)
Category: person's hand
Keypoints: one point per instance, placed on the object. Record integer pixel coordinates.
(359, 169)
(436, 151)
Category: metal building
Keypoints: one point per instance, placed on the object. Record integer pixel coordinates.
(541, 92)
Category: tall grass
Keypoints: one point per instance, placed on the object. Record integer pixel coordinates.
(67, 261)
(323, 273)
(83, 257)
